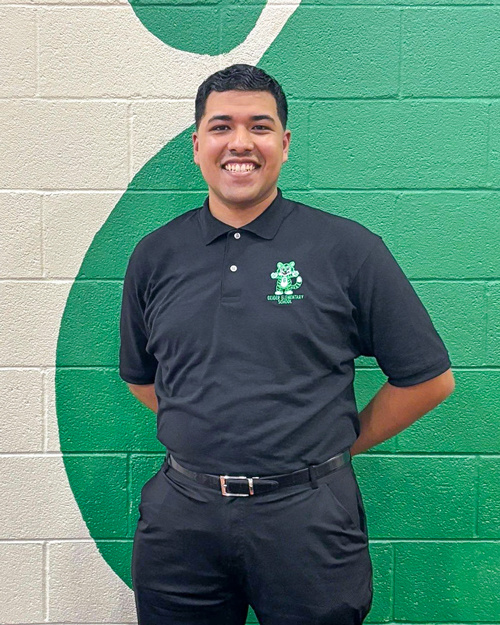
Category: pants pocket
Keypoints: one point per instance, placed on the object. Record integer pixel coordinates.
(342, 487)
(362, 514)
(153, 495)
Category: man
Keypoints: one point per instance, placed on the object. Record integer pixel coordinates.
(240, 324)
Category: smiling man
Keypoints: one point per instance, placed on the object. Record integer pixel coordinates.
(240, 324)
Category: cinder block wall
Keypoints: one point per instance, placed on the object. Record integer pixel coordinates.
(395, 118)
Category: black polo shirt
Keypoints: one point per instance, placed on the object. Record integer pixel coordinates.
(250, 334)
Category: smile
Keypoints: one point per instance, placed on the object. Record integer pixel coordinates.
(240, 169)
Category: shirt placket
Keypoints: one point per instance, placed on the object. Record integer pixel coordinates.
(232, 269)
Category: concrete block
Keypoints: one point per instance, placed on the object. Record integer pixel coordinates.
(20, 225)
(494, 145)
(489, 497)
(18, 58)
(390, 145)
(21, 417)
(91, 333)
(98, 401)
(154, 124)
(418, 497)
(493, 324)
(466, 422)
(452, 582)
(450, 53)
(36, 500)
(31, 312)
(63, 145)
(84, 589)
(21, 583)
(75, 217)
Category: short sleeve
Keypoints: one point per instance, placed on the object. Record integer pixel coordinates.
(393, 324)
(137, 365)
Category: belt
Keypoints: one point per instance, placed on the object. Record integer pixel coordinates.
(242, 486)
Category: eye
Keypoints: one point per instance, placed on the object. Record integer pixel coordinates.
(221, 127)
(260, 127)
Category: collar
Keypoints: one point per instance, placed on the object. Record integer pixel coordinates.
(266, 225)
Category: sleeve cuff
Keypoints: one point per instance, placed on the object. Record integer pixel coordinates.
(135, 379)
(421, 376)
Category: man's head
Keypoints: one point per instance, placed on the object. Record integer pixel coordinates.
(240, 78)
(241, 139)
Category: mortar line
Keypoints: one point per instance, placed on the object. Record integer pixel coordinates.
(44, 413)
(476, 506)
(295, 190)
(37, 51)
(400, 68)
(45, 581)
(123, 6)
(130, 146)
(126, 99)
(489, 182)
(486, 313)
(42, 228)
(393, 602)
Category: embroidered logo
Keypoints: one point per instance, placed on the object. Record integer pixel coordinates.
(285, 287)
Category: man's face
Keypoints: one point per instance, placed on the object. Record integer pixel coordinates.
(240, 146)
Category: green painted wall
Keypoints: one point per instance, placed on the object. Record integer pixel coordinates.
(395, 119)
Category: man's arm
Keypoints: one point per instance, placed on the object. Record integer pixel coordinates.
(395, 408)
(145, 393)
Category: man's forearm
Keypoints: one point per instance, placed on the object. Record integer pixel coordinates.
(393, 409)
(145, 393)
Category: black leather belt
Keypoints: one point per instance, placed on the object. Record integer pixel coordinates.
(242, 486)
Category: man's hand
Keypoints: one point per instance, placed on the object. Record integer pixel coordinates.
(394, 408)
(145, 393)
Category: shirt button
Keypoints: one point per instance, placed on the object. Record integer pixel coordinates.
(237, 235)
(233, 268)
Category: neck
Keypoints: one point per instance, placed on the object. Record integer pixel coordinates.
(238, 215)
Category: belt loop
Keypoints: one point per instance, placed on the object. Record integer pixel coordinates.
(312, 477)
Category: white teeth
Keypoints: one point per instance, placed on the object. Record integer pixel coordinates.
(239, 167)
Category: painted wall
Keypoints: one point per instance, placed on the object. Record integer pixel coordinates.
(395, 119)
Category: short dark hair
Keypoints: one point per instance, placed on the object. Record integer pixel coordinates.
(241, 77)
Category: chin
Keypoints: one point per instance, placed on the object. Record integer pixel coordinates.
(240, 196)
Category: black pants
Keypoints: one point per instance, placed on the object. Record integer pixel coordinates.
(298, 555)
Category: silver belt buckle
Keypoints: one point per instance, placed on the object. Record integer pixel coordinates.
(223, 485)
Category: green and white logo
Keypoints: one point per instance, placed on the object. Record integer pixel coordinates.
(285, 287)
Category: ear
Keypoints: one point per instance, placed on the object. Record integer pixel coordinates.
(195, 147)
(287, 137)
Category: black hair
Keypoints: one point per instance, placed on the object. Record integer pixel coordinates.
(241, 77)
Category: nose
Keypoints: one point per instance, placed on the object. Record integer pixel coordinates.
(241, 140)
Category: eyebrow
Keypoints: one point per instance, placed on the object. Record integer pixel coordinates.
(228, 118)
